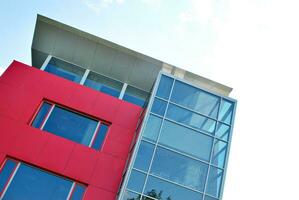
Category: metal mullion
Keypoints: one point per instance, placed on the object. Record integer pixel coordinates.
(95, 134)
(10, 179)
(123, 90)
(47, 117)
(46, 62)
(148, 141)
(84, 77)
(71, 191)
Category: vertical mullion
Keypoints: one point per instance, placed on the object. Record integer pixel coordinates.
(94, 134)
(47, 117)
(71, 191)
(123, 90)
(43, 67)
(83, 79)
(10, 179)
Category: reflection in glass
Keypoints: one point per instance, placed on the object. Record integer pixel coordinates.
(5, 173)
(164, 87)
(65, 70)
(78, 192)
(209, 198)
(222, 131)
(100, 137)
(152, 128)
(195, 99)
(226, 111)
(163, 190)
(131, 196)
(144, 156)
(189, 118)
(214, 181)
(219, 153)
(136, 181)
(103, 84)
(135, 96)
(159, 107)
(43, 111)
(186, 140)
(70, 125)
(179, 169)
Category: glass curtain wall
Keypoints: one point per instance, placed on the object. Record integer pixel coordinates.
(183, 145)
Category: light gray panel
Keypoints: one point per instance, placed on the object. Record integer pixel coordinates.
(84, 52)
(44, 38)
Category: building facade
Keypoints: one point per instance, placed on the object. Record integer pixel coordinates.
(91, 119)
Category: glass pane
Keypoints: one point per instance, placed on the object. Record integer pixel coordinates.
(100, 137)
(144, 156)
(65, 70)
(214, 181)
(5, 173)
(131, 196)
(192, 119)
(226, 111)
(159, 107)
(222, 131)
(103, 84)
(41, 115)
(70, 125)
(164, 87)
(210, 198)
(186, 140)
(179, 169)
(136, 181)
(34, 184)
(219, 153)
(160, 189)
(195, 99)
(152, 128)
(135, 96)
(78, 192)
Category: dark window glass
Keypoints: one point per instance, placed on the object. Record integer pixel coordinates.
(152, 128)
(195, 99)
(70, 125)
(179, 169)
(192, 119)
(161, 189)
(31, 183)
(131, 196)
(144, 156)
(164, 87)
(222, 131)
(219, 153)
(100, 137)
(41, 115)
(103, 84)
(78, 192)
(214, 181)
(186, 140)
(136, 181)
(5, 173)
(226, 111)
(65, 70)
(159, 107)
(135, 96)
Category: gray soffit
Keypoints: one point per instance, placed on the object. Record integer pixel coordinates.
(91, 52)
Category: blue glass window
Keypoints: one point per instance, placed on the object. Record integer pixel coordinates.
(209, 198)
(78, 192)
(161, 189)
(100, 137)
(179, 169)
(214, 181)
(103, 84)
(226, 111)
(41, 115)
(192, 119)
(186, 140)
(152, 128)
(219, 153)
(159, 107)
(195, 99)
(164, 87)
(131, 196)
(5, 173)
(222, 131)
(65, 70)
(135, 96)
(70, 125)
(136, 181)
(144, 156)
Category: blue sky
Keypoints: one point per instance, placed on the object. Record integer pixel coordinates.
(250, 45)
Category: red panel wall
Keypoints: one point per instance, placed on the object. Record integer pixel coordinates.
(22, 89)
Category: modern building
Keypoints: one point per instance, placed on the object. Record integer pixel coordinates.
(94, 120)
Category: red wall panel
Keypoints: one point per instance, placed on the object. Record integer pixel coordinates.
(22, 89)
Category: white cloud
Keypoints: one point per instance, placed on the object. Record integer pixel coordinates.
(1, 70)
(98, 5)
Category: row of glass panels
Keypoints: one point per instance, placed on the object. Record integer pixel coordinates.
(96, 81)
(184, 145)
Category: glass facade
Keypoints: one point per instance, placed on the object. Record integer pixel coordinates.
(183, 145)
(21, 181)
